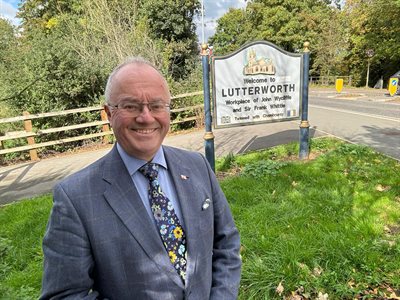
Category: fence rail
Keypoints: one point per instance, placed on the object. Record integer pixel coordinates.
(330, 80)
(30, 133)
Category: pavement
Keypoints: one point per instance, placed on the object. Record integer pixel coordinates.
(30, 179)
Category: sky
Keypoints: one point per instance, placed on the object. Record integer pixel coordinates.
(213, 9)
(8, 9)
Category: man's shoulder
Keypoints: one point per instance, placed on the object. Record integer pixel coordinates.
(182, 153)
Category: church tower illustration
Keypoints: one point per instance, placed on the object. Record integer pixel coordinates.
(256, 66)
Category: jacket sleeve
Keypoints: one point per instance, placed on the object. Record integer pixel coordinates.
(226, 262)
(68, 262)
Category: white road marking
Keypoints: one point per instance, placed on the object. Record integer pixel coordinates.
(356, 113)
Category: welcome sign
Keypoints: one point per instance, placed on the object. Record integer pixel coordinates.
(258, 83)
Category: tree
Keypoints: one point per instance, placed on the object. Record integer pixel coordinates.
(38, 13)
(109, 31)
(171, 23)
(332, 47)
(8, 52)
(66, 49)
(339, 36)
(45, 73)
(384, 30)
(229, 31)
(286, 23)
(373, 24)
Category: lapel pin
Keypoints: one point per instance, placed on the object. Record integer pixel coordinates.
(184, 177)
(206, 204)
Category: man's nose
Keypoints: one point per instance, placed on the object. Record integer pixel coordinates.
(145, 114)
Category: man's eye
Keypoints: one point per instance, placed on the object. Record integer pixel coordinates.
(157, 106)
(130, 106)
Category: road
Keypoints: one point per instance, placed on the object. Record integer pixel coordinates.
(372, 123)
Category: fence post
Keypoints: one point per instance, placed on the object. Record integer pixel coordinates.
(105, 127)
(31, 140)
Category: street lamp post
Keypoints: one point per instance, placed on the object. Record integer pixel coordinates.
(202, 22)
(369, 54)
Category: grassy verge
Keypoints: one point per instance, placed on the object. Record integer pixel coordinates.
(22, 227)
(326, 226)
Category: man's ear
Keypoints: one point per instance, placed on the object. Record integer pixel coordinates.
(108, 112)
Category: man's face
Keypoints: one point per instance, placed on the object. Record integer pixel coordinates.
(141, 134)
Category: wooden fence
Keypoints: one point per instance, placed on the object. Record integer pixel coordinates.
(29, 133)
(329, 80)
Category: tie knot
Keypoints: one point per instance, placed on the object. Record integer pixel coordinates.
(150, 170)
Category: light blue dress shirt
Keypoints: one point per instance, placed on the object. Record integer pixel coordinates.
(142, 183)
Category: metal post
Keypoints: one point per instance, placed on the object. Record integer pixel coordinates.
(369, 53)
(208, 136)
(202, 22)
(304, 125)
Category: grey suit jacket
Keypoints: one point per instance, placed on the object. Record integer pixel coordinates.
(101, 243)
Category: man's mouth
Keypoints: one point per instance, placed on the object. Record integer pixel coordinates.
(145, 131)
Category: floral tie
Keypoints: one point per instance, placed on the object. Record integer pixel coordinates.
(167, 221)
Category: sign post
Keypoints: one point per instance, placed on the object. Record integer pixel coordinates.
(393, 82)
(339, 85)
(208, 136)
(304, 124)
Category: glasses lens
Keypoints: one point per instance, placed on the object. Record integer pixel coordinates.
(131, 107)
(136, 107)
(157, 107)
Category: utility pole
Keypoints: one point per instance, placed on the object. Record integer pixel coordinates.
(369, 54)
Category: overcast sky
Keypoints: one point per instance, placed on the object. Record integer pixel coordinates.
(213, 9)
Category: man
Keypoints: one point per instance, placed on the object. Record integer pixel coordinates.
(145, 221)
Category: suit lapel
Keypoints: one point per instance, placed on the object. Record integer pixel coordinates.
(124, 199)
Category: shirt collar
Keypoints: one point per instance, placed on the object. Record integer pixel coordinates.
(133, 164)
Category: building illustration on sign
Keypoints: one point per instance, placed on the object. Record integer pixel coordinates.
(258, 66)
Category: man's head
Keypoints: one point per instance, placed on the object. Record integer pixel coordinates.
(137, 106)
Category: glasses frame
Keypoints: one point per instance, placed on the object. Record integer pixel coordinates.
(142, 104)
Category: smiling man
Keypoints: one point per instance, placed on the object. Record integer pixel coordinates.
(138, 85)
(146, 221)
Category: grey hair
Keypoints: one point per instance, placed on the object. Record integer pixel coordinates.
(131, 60)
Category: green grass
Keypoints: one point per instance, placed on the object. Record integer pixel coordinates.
(326, 225)
(22, 227)
(318, 226)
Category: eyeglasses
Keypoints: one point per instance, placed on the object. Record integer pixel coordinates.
(135, 108)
